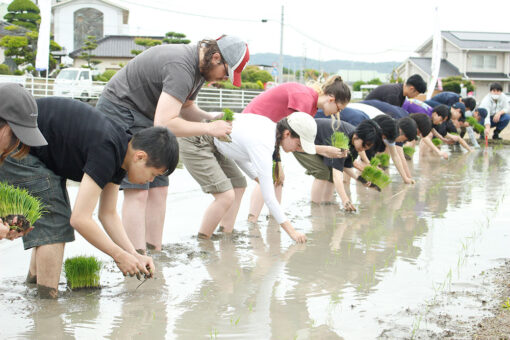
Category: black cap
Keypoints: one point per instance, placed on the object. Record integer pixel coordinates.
(19, 109)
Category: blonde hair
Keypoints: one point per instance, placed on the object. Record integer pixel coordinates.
(336, 87)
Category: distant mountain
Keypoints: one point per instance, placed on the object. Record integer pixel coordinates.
(330, 66)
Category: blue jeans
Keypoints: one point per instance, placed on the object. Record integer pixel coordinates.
(30, 173)
(503, 120)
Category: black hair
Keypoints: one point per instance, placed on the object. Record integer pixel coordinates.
(408, 127)
(281, 126)
(469, 102)
(210, 47)
(370, 133)
(417, 82)
(496, 86)
(443, 111)
(388, 126)
(423, 123)
(16, 149)
(160, 145)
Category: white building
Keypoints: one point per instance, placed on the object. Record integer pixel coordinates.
(74, 20)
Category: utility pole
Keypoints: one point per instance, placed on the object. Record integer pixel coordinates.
(280, 63)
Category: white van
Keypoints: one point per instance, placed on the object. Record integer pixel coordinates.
(77, 83)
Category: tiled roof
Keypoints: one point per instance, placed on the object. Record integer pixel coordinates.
(484, 41)
(114, 46)
(3, 32)
(446, 70)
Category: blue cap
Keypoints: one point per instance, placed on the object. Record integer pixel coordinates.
(461, 106)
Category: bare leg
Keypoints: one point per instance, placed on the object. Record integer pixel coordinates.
(133, 216)
(155, 216)
(256, 203)
(216, 211)
(48, 260)
(32, 269)
(320, 191)
(228, 221)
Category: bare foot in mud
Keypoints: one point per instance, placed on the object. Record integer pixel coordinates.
(46, 292)
(31, 279)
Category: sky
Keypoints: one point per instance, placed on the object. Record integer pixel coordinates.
(359, 30)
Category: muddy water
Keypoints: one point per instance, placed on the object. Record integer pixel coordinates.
(381, 272)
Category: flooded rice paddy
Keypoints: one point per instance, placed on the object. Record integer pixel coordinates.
(411, 263)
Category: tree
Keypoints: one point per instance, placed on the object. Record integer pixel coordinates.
(90, 44)
(356, 86)
(175, 38)
(22, 46)
(453, 84)
(375, 81)
(23, 13)
(146, 43)
(253, 74)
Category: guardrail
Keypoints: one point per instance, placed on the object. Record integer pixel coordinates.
(207, 99)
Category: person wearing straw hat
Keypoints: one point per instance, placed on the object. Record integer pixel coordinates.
(159, 87)
(18, 131)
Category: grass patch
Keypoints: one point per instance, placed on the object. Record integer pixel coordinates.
(376, 176)
(340, 140)
(82, 272)
(17, 202)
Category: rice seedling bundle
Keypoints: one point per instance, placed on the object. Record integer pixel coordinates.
(340, 140)
(82, 272)
(385, 159)
(474, 123)
(409, 151)
(228, 115)
(18, 203)
(375, 176)
(437, 141)
(375, 162)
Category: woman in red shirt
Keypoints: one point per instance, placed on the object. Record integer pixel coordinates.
(282, 100)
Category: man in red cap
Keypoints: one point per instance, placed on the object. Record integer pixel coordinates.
(158, 87)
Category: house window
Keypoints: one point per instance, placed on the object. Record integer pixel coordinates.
(486, 62)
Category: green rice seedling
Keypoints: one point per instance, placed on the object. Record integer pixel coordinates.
(340, 140)
(437, 141)
(82, 272)
(228, 115)
(385, 160)
(453, 133)
(474, 123)
(17, 203)
(375, 162)
(409, 151)
(375, 176)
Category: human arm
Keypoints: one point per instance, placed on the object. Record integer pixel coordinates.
(10, 234)
(338, 181)
(191, 112)
(89, 194)
(364, 158)
(428, 141)
(167, 114)
(329, 151)
(399, 164)
(462, 142)
(402, 156)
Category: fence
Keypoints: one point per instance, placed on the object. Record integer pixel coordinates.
(208, 98)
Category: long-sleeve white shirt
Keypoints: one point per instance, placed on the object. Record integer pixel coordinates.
(494, 107)
(253, 141)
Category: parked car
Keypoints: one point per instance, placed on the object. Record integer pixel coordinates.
(77, 83)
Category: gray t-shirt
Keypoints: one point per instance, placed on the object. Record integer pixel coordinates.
(172, 69)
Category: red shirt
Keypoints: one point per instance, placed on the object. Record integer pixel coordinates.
(282, 100)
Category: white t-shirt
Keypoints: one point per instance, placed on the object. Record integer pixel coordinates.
(370, 110)
(253, 139)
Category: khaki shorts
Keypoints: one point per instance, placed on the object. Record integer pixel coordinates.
(314, 166)
(213, 171)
